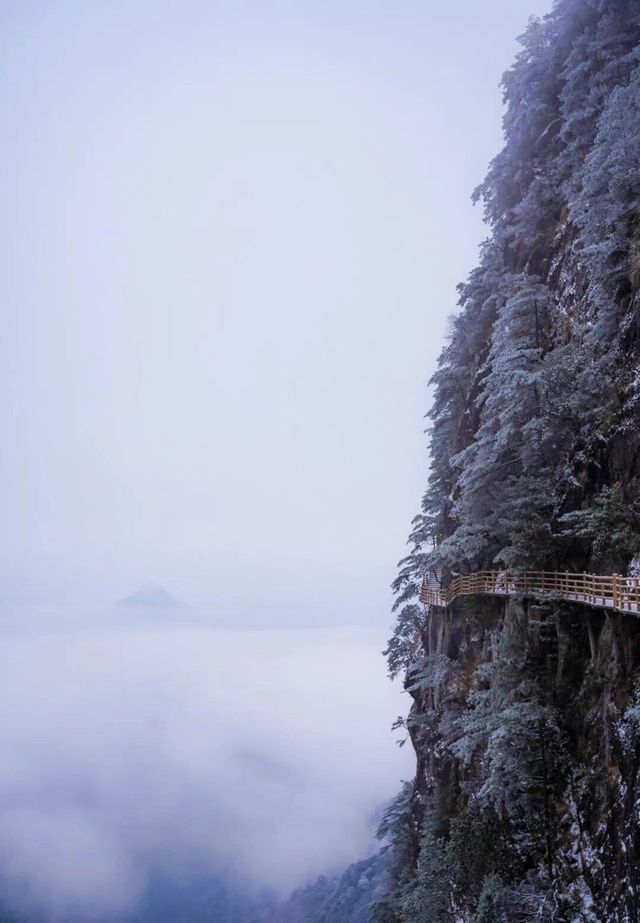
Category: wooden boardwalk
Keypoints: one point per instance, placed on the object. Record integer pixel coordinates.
(603, 592)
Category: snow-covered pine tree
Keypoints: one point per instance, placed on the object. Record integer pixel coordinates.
(535, 462)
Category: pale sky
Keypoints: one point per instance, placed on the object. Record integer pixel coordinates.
(231, 236)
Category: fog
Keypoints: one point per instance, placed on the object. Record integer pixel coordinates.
(230, 239)
(261, 756)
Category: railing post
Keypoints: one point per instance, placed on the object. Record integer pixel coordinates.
(597, 590)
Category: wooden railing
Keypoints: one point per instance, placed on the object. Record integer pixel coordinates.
(608, 592)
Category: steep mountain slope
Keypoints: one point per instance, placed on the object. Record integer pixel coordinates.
(525, 718)
(345, 898)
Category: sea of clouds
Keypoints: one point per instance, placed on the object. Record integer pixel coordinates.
(134, 750)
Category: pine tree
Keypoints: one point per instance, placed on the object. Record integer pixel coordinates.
(534, 463)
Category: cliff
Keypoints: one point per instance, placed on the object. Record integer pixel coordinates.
(525, 717)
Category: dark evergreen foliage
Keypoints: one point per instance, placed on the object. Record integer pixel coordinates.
(540, 375)
(535, 463)
(345, 898)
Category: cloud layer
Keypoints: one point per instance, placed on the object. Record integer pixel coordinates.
(261, 755)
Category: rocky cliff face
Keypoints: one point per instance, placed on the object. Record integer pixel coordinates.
(525, 725)
(525, 719)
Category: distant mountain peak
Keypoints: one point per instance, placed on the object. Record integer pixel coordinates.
(153, 596)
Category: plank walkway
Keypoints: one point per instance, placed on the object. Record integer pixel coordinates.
(603, 592)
